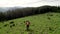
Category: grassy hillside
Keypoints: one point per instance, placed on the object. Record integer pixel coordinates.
(48, 23)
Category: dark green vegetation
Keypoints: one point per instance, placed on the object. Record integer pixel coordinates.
(22, 12)
(48, 23)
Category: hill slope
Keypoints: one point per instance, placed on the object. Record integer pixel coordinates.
(48, 23)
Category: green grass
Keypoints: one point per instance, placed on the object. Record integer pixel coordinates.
(48, 23)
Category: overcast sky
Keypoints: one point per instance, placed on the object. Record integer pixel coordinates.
(28, 3)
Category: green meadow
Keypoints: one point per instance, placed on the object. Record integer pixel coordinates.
(48, 23)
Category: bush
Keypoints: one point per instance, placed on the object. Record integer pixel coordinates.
(22, 12)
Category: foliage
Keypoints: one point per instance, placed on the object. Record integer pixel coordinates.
(22, 12)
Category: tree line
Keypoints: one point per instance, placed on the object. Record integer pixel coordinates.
(22, 12)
